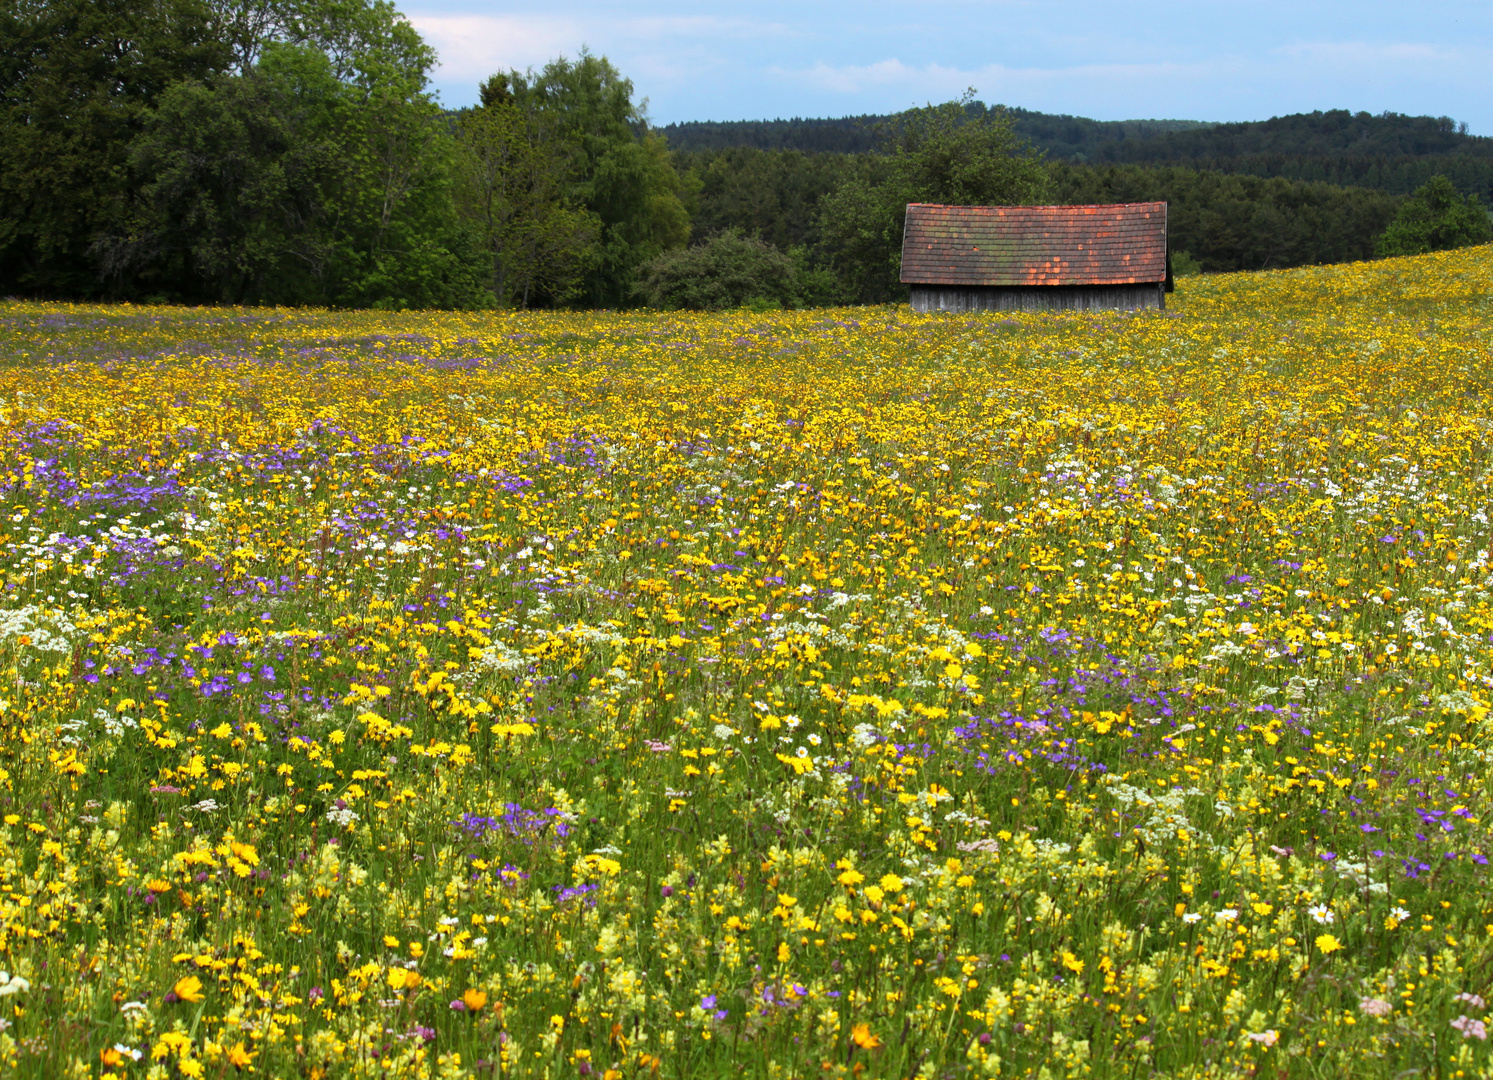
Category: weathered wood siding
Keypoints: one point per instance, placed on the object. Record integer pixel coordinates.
(1038, 297)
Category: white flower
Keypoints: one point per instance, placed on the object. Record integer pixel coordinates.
(1228, 914)
(1321, 913)
(1264, 1038)
(12, 984)
(343, 817)
(813, 738)
(1191, 917)
(1398, 914)
(724, 731)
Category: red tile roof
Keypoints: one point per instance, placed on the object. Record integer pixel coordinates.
(1121, 244)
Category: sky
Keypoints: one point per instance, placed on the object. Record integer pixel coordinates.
(1164, 59)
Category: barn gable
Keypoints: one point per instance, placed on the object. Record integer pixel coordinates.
(1015, 257)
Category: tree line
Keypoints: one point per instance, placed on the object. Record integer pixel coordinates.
(291, 152)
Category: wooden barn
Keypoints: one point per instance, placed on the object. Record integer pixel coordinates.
(1035, 258)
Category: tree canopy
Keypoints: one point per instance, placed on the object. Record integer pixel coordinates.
(1436, 218)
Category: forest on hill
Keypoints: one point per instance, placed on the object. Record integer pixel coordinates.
(1388, 152)
(292, 152)
(1057, 135)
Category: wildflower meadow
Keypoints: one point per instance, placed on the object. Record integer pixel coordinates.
(787, 694)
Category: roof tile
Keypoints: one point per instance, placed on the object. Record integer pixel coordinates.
(1119, 244)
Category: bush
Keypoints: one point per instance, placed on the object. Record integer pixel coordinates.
(1184, 265)
(1435, 218)
(729, 270)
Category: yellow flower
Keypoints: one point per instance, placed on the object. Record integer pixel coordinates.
(1328, 944)
(189, 988)
(403, 978)
(238, 1057)
(851, 877)
(861, 1035)
(474, 999)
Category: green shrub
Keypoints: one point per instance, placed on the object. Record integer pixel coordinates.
(1435, 218)
(1184, 265)
(729, 270)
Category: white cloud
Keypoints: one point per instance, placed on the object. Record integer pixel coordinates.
(472, 47)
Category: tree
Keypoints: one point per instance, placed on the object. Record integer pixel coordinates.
(225, 150)
(1435, 218)
(77, 80)
(512, 188)
(950, 153)
(618, 169)
(729, 270)
(1230, 222)
(240, 188)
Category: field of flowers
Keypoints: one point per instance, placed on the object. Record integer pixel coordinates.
(785, 695)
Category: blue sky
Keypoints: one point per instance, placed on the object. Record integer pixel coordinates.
(1200, 60)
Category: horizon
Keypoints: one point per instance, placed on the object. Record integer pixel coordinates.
(725, 62)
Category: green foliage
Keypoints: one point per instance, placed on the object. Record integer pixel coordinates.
(773, 194)
(1184, 265)
(938, 154)
(240, 182)
(1436, 218)
(1230, 222)
(289, 184)
(511, 187)
(729, 270)
(77, 80)
(619, 171)
(1389, 152)
(1058, 135)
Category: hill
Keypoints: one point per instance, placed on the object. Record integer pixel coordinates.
(1061, 136)
(1389, 152)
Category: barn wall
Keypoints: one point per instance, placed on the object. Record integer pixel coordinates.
(1038, 297)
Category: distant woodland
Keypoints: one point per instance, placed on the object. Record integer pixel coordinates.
(291, 152)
